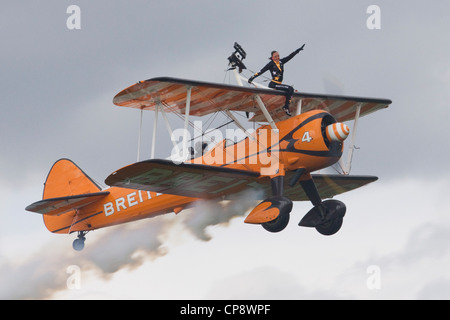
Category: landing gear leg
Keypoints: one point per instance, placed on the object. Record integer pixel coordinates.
(326, 216)
(78, 244)
(283, 204)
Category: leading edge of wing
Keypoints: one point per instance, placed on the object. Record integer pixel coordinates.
(328, 185)
(207, 182)
(127, 93)
(249, 90)
(184, 179)
(255, 90)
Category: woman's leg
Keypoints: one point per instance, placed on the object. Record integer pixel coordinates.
(289, 92)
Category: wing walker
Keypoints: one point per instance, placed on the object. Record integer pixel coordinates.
(280, 159)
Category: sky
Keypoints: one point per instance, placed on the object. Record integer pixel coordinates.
(57, 89)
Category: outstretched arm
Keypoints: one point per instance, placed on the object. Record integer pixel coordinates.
(293, 54)
(264, 69)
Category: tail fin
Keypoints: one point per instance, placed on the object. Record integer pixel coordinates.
(66, 189)
(67, 179)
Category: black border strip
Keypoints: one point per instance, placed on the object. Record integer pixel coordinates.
(269, 91)
(85, 218)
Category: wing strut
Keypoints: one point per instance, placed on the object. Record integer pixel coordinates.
(155, 125)
(158, 108)
(299, 107)
(346, 168)
(186, 120)
(266, 113)
(229, 114)
(140, 134)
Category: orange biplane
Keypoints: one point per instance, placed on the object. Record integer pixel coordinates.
(279, 158)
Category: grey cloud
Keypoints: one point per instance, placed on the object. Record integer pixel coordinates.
(57, 86)
(267, 283)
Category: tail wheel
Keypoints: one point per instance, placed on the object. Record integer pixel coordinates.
(78, 243)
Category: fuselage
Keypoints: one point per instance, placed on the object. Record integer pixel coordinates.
(299, 143)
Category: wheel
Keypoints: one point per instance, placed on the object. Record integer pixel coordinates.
(278, 224)
(78, 244)
(327, 219)
(330, 227)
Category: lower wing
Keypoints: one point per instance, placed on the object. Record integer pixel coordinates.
(209, 182)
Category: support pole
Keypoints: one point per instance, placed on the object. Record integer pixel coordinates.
(186, 121)
(139, 137)
(237, 76)
(239, 79)
(155, 125)
(299, 107)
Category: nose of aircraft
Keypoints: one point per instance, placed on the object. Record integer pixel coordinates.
(337, 132)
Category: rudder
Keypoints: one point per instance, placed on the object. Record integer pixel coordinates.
(67, 179)
(67, 190)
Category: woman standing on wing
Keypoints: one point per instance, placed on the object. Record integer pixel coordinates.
(276, 67)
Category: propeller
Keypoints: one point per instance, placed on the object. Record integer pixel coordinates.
(337, 132)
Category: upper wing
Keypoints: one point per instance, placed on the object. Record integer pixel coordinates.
(202, 181)
(206, 98)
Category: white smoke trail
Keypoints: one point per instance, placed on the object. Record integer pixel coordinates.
(116, 248)
(113, 249)
(35, 278)
(210, 213)
(120, 247)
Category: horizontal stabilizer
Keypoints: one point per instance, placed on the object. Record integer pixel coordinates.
(58, 206)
